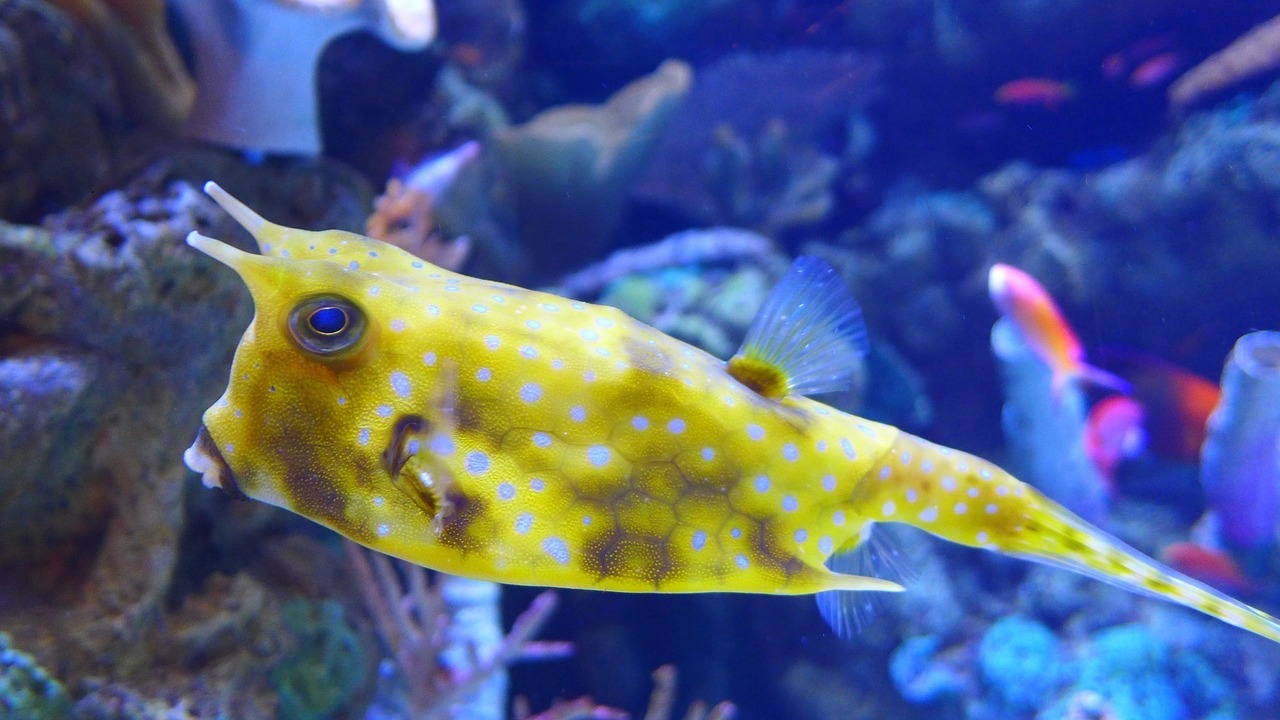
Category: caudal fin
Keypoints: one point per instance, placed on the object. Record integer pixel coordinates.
(970, 501)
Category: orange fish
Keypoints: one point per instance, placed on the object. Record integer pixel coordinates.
(1155, 71)
(1214, 567)
(1178, 402)
(1028, 305)
(1114, 433)
(1034, 92)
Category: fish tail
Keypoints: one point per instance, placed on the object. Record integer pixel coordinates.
(970, 501)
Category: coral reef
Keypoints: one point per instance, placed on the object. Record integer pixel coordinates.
(27, 692)
(114, 333)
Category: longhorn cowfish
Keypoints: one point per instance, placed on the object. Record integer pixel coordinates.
(505, 434)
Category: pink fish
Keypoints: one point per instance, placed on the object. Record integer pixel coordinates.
(1155, 71)
(1214, 567)
(1114, 433)
(1028, 305)
(1034, 92)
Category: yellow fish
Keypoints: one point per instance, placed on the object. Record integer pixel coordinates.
(505, 434)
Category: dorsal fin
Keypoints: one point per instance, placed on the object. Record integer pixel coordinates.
(807, 338)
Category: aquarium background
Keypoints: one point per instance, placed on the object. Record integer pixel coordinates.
(669, 158)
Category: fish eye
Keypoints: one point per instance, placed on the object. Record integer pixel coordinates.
(327, 325)
(328, 320)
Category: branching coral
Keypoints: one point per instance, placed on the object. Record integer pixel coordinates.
(405, 215)
(424, 624)
(1251, 54)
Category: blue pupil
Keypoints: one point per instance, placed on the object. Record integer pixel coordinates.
(328, 320)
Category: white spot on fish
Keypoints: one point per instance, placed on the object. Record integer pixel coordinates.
(640, 422)
(524, 523)
(589, 376)
(451, 288)
(433, 310)
(972, 492)
(927, 466)
(801, 535)
(826, 545)
(342, 400)
(790, 504)
(533, 325)
(837, 517)
(550, 307)
(790, 452)
(708, 454)
(829, 483)
(530, 392)
(905, 458)
(384, 529)
(363, 436)
(541, 439)
(378, 500)
(755, 432)
(847, 446)
(884, 472)
(961, 508)
(991, 508)
(477, 462)
(742, 561)
(602, 352)
(493, 342)
(604, 322)
(888, 509)
(537, 484)
(982, 536)
(557, 364)
(762, 483)
(735, 533)
(676, 426)
(911, 495)
(400, 384)
(480, 308)
(820, 446)
(484, 374)
(577, 413)
(442, 445)
(929, 514)
(699, 540)
(506, 491)
(557, 549)
(598, 455)
(948, 483)
(384, 411)
(590, 335)
(397, 325)
(429, 359)
(528, 351)
(985, 474)
(1002, 490)
(586, 520)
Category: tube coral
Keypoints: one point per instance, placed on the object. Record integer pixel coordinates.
(1240, 462)
(1253, 53)
(1044, 431)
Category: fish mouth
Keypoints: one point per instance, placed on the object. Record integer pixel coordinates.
(205, 458)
